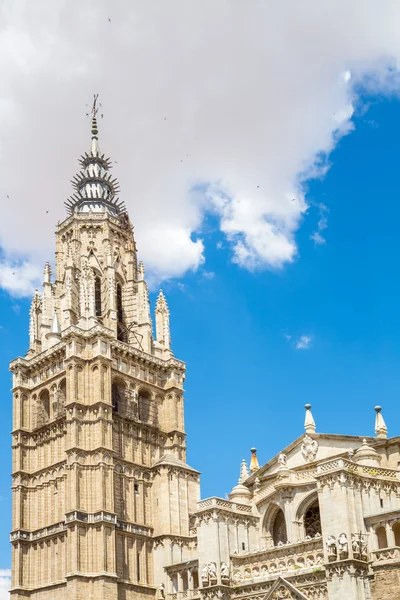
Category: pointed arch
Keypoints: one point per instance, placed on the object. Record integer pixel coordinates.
(97, 296)
(119, 304)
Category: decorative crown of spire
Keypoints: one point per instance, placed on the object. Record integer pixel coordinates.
(161, 304)
(94, 182)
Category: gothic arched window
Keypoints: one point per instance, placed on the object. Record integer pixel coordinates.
(279, 529)
(144, 406)
(120, 314)
(97, 296)
(381, 536)
(396, 531)
(118, 395)
(312, 520)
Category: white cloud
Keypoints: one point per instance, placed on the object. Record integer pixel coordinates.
(243, 102)
(19, 279)
(322, 224)
(303, 342)
(5, 583)
(317, 238)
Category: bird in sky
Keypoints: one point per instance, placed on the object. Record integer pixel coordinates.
(8, 196)
(258, 187)
(293, 199)
(47, 212)
(109, 19)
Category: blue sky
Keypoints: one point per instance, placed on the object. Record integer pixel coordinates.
(246, 381)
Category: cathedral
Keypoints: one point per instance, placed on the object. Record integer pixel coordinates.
(105, 506)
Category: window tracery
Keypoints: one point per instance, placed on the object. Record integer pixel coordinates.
(312, 520)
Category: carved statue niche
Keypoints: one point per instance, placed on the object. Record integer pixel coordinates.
(212, 571)
(224, 571)
(331, 546)
(343, 546)
(204, 575)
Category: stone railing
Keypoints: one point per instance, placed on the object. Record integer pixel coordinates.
(215, 502)
(386, 554)
(187, 595)
(352, 467)
(247, 568)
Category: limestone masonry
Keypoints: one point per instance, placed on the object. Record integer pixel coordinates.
(105, 506)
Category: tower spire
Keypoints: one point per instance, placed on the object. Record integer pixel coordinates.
(94, 130)
(95, 188)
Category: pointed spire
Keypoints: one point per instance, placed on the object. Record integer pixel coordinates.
(254, 466)
(244, 473)
(161, 304)
(380, 425)
(94, 180)
(309, 423)
(47, 273)
(163, 335)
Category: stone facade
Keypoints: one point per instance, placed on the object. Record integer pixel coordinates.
(105, 506)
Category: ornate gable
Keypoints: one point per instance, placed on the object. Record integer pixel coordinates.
(283, 590)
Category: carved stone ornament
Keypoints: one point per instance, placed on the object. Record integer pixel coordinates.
(309, 448)
(283, 590)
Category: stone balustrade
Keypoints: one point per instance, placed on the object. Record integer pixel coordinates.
(215, 502)
(247, 568)
(187, 595)
(352, 467)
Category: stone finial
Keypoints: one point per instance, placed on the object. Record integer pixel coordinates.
(309, 423)
(244, 473)
(47, 273)
(140, 274)
(240, 493)
(55, 326)
(254, 466)
(380, 425)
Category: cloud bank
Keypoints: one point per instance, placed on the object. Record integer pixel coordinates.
(241, 100)
(5, 583)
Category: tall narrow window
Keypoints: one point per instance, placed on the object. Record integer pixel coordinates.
(97, 295)
(138, 565)
(120, 314)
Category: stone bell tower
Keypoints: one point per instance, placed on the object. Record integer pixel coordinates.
(100, 479)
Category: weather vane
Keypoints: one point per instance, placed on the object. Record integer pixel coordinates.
(95, 108)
